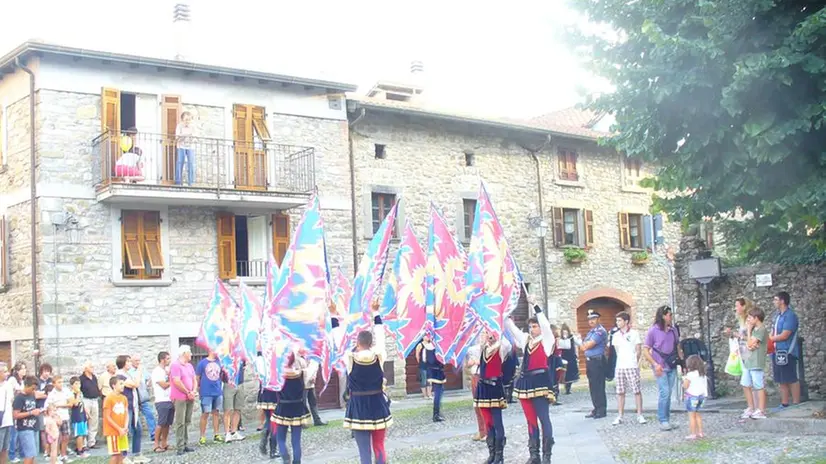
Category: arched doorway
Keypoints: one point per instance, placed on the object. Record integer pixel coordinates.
(608, 302)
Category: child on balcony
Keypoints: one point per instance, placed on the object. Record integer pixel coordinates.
(183, 139)
(129, 166)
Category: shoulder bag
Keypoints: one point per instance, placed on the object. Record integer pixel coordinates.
(781, 357)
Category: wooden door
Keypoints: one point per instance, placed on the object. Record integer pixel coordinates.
(329, 398)
(250, 163)
(411, 374)
(5, 353)
(607, 309)
(453, 378)
(170, 114)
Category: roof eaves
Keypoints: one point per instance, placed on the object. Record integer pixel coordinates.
(472, 120)
(34, 47)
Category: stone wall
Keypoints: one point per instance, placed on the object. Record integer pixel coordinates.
(805, 284)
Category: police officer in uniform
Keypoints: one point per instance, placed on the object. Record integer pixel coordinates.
(594, 348)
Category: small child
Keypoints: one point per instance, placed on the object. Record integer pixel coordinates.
(61, 399)
(51, 424)
(78, 419)
(114, 421)
(695, 385)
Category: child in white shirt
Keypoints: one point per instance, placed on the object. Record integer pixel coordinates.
(695, 385)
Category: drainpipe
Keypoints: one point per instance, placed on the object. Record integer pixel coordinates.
(543, 261)
(351, 125)
(33, 181)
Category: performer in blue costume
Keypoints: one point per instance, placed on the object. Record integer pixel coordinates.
(435, 376)
(291, 412)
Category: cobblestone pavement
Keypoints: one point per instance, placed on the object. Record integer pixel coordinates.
(579, 440)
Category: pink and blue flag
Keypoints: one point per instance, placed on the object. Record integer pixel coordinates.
(403, 306)
(221, 329)
(356, 317)
(491, 272)
(446, 299)
(252, 314)
(272, 277)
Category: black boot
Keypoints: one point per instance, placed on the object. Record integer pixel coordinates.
(437, 416)
(533, 448)
(265, 438)
(500, 451)
(274, 446)
(490, 441)
(567, 388)
(547, 446)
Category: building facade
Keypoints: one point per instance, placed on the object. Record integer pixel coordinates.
(130, 233)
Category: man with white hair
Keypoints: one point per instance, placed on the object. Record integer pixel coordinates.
(182, 392)
(103, 380)
(90, 389)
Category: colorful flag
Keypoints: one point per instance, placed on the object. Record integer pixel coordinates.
(275, 345)
(272, 277)
(300, 291)
(491, 268)
(252, 312)
(403, 306)
(446, 298)
(368, 278)
(342, 292)
(221, 329)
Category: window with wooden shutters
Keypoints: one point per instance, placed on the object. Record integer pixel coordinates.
(141, 242)
(280, 236)
(170, 115)
(4, 253)
(633, 169)
(382, 205)
(632, 232)
(567, 160)
(226, 246)
(250, 164)
(572, 227)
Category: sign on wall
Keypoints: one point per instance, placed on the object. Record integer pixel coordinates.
(763, 280)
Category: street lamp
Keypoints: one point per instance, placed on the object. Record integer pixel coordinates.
(704, 271)
(540, 228)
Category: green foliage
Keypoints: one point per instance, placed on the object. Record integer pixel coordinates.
(574, 254)
(728, 98)
(639, 256)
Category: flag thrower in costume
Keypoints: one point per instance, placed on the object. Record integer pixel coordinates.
(221, 329)
(446, 299)
(491, 268)
(403, 306)
(357, 315)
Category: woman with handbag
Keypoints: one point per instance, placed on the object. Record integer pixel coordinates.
(568, 343)
(662, 350)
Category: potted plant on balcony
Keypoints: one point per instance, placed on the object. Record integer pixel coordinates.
(574, 255)
(639, 258)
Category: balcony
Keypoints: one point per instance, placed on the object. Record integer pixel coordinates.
(147, 167)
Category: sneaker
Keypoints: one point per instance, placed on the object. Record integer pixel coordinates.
(617, 421)
(780, 408)
(691, 437)
(641, 419)
(218, 439)
(237, 436)
(202, 441)
(228, 438)
(758, 415)
(747, 413)
(16, 460)
(666, 426)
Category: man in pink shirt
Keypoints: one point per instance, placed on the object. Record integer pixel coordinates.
(182, 392)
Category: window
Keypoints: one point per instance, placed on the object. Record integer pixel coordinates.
(198, 352)
(128, 111)
(567, 164)
(382, 204)
(469, 216)
(633, 233)
(242, 243)
(381, 151)
(573, 227)
(141, 242)
(470, 158)
(250, 134)
(633, 169)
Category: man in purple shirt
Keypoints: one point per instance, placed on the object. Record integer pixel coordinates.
(662, 350)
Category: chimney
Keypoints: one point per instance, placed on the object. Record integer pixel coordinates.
(416, 68)
(181, 15)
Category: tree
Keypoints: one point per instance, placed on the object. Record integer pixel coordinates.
(728, 98)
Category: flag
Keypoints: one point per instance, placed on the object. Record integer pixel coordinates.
(491, 271)
(300, 292)
(221, 329)
(275, 345)
(356, 317)
(252, 312)
(446, 294)
(272, 276)
(342, 292)
(403, 306)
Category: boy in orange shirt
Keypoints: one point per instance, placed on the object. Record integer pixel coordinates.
(115, 409)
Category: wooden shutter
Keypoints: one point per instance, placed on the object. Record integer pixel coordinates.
(4, 252)
(625, 233)
(226, 246)
(109, 125)
(2, 132)
(242, 136)
(259, 154)
(259, 122)
(558, 225)
(589, 228)
(170, 115)
(152, 239)
(571, 162)
(563, 165)
(131, 228)
(280, 236)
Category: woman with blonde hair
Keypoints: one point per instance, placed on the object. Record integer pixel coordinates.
(742, 306)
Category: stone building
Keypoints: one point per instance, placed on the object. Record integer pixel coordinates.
(126, 250)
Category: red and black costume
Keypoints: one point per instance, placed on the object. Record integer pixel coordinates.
(490, 397)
